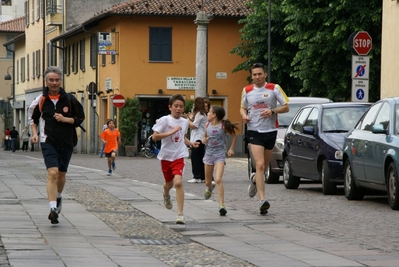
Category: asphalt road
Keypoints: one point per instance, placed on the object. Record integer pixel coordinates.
(369, 223)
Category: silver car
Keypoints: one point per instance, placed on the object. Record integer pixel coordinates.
(275, 169)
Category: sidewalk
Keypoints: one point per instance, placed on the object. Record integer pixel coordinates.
(117, 221)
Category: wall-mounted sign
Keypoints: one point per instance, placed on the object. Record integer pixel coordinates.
(221, 75)
(180, 83)
(108, 84)
(107, 43)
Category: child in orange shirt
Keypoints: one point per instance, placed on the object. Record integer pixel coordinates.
(111, 138)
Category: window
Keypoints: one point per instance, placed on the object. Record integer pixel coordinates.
(368, 120)
(11, 47)
(38, 63)
(75, 57)
(17, 73)
(383, 116)
(82, 55)
(51, 55)
(33, 11)
(300, 119)
(27, 67)
(33, 65)
(23, 69)
(160, 44)
(41, 4)
(38, 9)
(103, 60)
(93, 51)
(26, 10)
(68, 60)
(313, 118)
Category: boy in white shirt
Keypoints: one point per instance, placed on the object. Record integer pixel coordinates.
(172, 130)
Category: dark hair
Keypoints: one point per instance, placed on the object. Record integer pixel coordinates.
(109, 120)
(228, 126)
(176, 97)
(257, 66)
(207, 101)
(199, 106)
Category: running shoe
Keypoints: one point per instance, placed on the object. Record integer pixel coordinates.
(180, 219)
(167, 202)
(53, 216)
(109, 172)
(252, 186)
(222, 210)
(264, 205)
(194, 181)
(59, 204)
(208, 193)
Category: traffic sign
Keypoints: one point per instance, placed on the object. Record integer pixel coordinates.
(360, 67)
(360, 90)
(362, 43)
(118, 101)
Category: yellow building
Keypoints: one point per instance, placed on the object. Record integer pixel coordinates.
(150, 53)
(389, 49)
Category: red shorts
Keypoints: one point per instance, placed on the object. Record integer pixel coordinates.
(172, 168)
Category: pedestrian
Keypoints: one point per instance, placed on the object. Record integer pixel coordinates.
(14, 134)
(215, 139)
(58, 113)
(259, 111)
(25, 139)
(111, 137)
(172, 130)
(7, 139)
(103, 144)
(197, 121)
(207, 103)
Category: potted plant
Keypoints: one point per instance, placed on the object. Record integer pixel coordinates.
(129, 117)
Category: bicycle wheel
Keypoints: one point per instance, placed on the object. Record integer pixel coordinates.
(148, 153)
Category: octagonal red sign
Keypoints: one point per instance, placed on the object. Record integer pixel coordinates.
(362, 43)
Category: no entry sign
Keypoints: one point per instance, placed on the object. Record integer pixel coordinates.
(362, 43)
(118, 101)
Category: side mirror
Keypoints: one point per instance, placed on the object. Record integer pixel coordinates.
(308, 130)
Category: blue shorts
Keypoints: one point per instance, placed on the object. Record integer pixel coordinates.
(213, 159)
(54, 157)
(267, 140)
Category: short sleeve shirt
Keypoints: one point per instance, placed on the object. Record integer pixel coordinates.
(172, 147)
(111, 139)
(254, 100)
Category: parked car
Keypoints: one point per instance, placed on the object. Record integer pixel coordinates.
(275, 169)
(314, 140)
(371, 153)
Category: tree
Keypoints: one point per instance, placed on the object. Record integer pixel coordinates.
(129, 117)
(309, 51)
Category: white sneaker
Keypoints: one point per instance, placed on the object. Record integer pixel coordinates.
(252, 186)
(180, 219)
(167, 202)
(192, 181)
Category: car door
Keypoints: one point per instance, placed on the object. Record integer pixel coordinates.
(309, 146)
(376, 148)
(359, 139)
(293, 139)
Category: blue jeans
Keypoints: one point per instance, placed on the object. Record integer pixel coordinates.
(13, 144)
(102, 150)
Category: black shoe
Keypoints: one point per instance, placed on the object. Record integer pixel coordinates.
(59, 204)
(264, 205)
(53, 216)
(222, 210)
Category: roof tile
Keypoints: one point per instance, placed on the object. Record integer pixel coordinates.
(13, 25)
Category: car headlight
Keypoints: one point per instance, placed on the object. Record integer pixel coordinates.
(338, 154)
(279, 143)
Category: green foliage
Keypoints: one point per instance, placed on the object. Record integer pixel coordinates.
(309, 44)
(129, 117)
(188, 107)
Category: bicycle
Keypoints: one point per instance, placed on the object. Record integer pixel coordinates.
(150, 148)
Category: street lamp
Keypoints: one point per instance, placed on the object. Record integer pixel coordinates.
(7, 77)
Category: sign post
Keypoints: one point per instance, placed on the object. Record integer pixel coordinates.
(360, 43)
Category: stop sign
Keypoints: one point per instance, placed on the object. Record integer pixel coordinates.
(362, 43)
(118, 101)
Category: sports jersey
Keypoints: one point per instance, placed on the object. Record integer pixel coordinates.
(172, 147)
(255, 100)
(111, 139)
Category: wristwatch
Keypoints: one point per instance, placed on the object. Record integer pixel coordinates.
(272, 109)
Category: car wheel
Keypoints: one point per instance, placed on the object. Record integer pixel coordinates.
(290, 181)
(352, 192)
(271, 177)
(392, 187)
(329, 188)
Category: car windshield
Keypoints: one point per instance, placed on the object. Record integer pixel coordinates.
(284, 119)
(341, 119)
